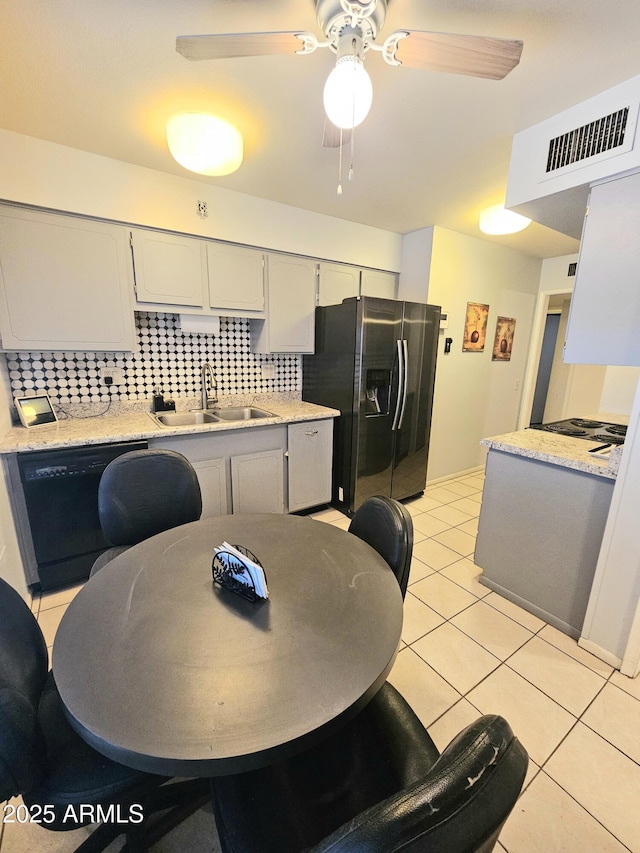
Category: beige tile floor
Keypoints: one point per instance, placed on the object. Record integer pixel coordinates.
(467, 651)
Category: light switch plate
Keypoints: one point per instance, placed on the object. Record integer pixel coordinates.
(268, 371)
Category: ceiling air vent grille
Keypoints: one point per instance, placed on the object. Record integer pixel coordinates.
(587, 141)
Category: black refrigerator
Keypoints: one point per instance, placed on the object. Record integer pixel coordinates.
(375, 360)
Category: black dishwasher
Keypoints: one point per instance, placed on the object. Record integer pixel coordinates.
(61, 496)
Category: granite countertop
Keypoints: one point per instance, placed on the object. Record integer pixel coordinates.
(131, 422)
(557, 450)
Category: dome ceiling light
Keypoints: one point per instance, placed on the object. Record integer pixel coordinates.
(204, 144)
(498, 220)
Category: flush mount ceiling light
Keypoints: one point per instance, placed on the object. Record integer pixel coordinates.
(204, 144)
(498, 220)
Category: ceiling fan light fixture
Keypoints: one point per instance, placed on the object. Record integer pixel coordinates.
(348, 93)
(204, 144)
(498, 220)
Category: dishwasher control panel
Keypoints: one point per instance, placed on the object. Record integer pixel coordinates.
(72, 462)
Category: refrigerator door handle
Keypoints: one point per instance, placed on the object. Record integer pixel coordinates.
(396, 415)
(405, 377)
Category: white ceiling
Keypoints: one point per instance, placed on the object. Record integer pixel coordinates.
(104, 77)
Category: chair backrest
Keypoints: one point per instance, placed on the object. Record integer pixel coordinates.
(386, 525)
(460, 805)
(23, 672)
(144, 492)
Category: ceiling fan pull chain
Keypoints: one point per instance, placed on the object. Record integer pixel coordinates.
(353, 144)
(340, 166)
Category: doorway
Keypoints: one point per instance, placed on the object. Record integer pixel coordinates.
(550, 302)
(545, 365)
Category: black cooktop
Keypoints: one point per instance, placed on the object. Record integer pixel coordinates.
(590, 430)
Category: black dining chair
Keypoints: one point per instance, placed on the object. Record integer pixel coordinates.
(43, 760)
(386, 525)
(142, 493)
(378, 785)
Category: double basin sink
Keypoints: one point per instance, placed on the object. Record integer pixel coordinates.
(230, 414)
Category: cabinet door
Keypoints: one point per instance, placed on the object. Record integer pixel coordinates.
(169, 270)
(291, 301)
(257, 482)
(605, 305)
(65, 283)
(310, 460)
(337, 282)
(378, 283)
(236, 278)
(212, 476)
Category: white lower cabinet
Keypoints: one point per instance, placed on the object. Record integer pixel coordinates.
(257, 482)
(214, 485)
(239, 470)
(310, 460)
(243, 470)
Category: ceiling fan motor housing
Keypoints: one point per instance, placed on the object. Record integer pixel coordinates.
(337, 16)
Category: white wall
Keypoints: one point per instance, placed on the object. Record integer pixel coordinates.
(474, 396)
(53, 176)
(619, 390)
(574, 389)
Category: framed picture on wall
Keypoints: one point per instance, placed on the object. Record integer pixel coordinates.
(503, 341)
(475, 327)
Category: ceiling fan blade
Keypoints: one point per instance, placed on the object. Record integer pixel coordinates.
(331, 137)
(477, 56)
(233, 45)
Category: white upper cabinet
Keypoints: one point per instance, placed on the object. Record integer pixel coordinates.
(236, 278)
(290, 322)
(604, 319)
(65, 283)
(200, 276)
(337, 282)
(378, 283)
(169, 269)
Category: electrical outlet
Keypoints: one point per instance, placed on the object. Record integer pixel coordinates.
(112, 375)
(203, 209)
(268, 371)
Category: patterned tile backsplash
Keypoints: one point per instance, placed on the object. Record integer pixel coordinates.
(167, 358)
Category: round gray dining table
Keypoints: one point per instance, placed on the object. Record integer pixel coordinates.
(164, 671)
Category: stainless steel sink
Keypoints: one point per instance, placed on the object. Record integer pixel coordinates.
(242, 413)
(171, 419)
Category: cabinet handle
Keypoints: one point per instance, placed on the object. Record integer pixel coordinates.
(311, 432)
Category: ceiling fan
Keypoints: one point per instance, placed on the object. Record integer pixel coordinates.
(351, 28)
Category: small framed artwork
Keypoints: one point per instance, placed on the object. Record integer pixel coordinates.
(503, 341)
(475, 327)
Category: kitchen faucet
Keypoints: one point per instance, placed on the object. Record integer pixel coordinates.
(206, 399)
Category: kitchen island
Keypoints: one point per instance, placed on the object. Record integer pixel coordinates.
(544, 508)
